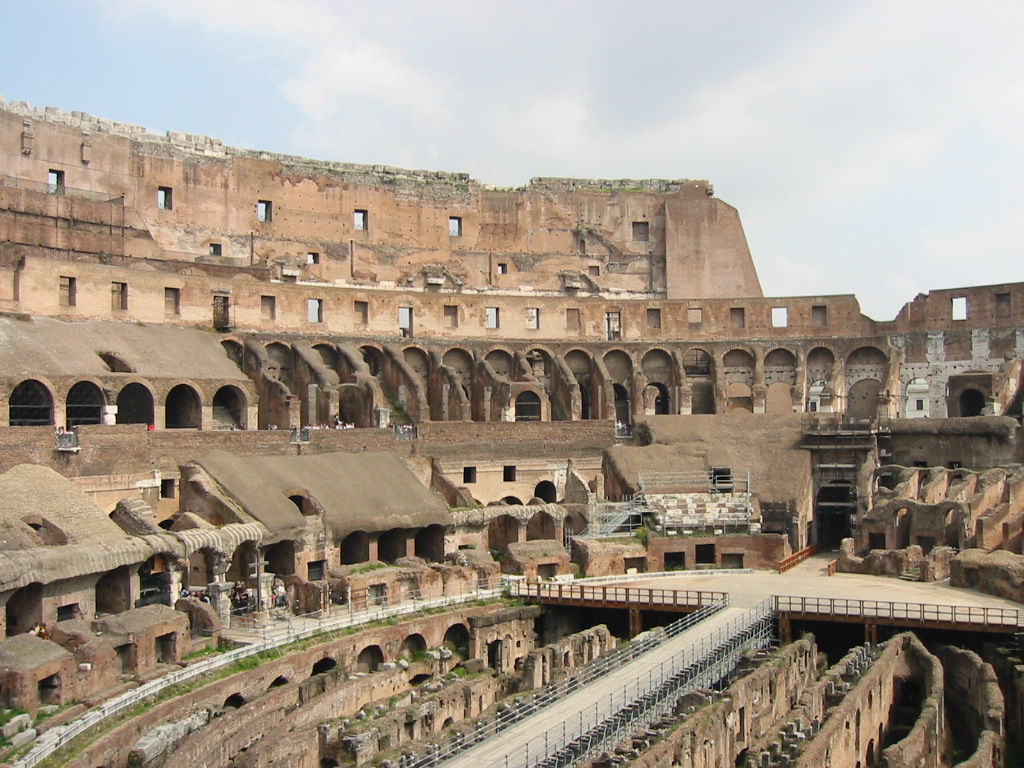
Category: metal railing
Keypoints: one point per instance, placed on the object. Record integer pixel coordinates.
(639, 597)
(405, 431)
(294, 629)
(557, 692)
(968, 615)
(59, 189)
(645, 699)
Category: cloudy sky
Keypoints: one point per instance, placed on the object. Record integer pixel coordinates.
(874, 148)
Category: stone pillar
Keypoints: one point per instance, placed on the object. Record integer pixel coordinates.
(220, 600)
(108, 415)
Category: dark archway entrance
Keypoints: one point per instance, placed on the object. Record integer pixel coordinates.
(546, 491)
(622, 411)
(134, 405)
(972, 403)
(392, 545)
(84, 404)
(228, 409)
(429, 543)
(835, 505)
(31, 405)
(528, 407)
(183, 409)
(355, 548)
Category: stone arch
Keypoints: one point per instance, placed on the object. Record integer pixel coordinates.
(280, 558)
(84, 404)
(24, 609)
(780, 366)
(280, 363)
(528, 406)
(540, 526)
(502, 362)
(183, 408)
(391, 545)
(374, 359)
(135, 404)
(656, 399)
(306, 503)
(541, 363)
(355, 548)
(739, 398)
(502, 531)
(429, 543)
(862, 400)
(779, 398)
(867, 356)
(329, 356)
(461, 363)
(31, 404)
(546, 491)
(623, 409)
(456, 639)
(370, 659)
(413, 644)
(326, 664)
(418, 360)
(739, 367)
(658, 367)
(512, 501)
(229, 408)
(971, 402)
(619, 365)
(235, 351)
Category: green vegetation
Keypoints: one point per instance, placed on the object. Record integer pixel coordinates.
(366, 568)
(642, 534)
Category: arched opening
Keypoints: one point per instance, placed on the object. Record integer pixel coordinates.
(417, 359)
(279, 363)
(456, 639)
(355, 548)
(280, 558)
(392, 545)
(779, 398)
(84, 405)
(584, 403)
(183, 409)
(114, 591)
(420, 679)
(545, 491)
(512, 501)
(369, 659)
(278, 681)
(528, 406)
(540, 526)
(326, 664)
(835, 506)
(501, 362)
(494, 655)
(154, 582)
(579, 364)
(228, 408)
(135, 405)
(234, 701)
(862, 402)
(972, 403)
(502, 531)
(622, 410)
(31, 405)
(656, 399)
(24, 609)
(739, 367)
(413, 646)
(235, 352)
(429, 543)
(374, 360)
(702, 397)
(779, 367)
(739, 398)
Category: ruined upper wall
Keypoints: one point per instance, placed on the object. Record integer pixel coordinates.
(197, 199)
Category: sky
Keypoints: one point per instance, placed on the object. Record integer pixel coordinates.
(873, 148)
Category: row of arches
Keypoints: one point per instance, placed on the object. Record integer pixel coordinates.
(31, 404)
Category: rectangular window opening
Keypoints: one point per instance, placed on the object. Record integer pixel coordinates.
(172, 301)
(959, 308)
(119, 296)
(780, 317)
(164, 198)
(67, 612)
(168, 489)
(532, 318)
(405, 321)
(502, 268)
(216, 249)
(737, 317)
(55, 182)
(362, 311)
(509, 473)
(264, 210)
(654, 319)
(613, 325)
(455, 226)
(360, 220)
(492, 319)
(268, 308)
(451, 315)
(316, 569)
(919, 405)
(641, 231)
(1002, 305)
(315, 310)
(68, 291)
(469, 474)
(312, 257)
(594, 270)
(694, 315)
(819, 316)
